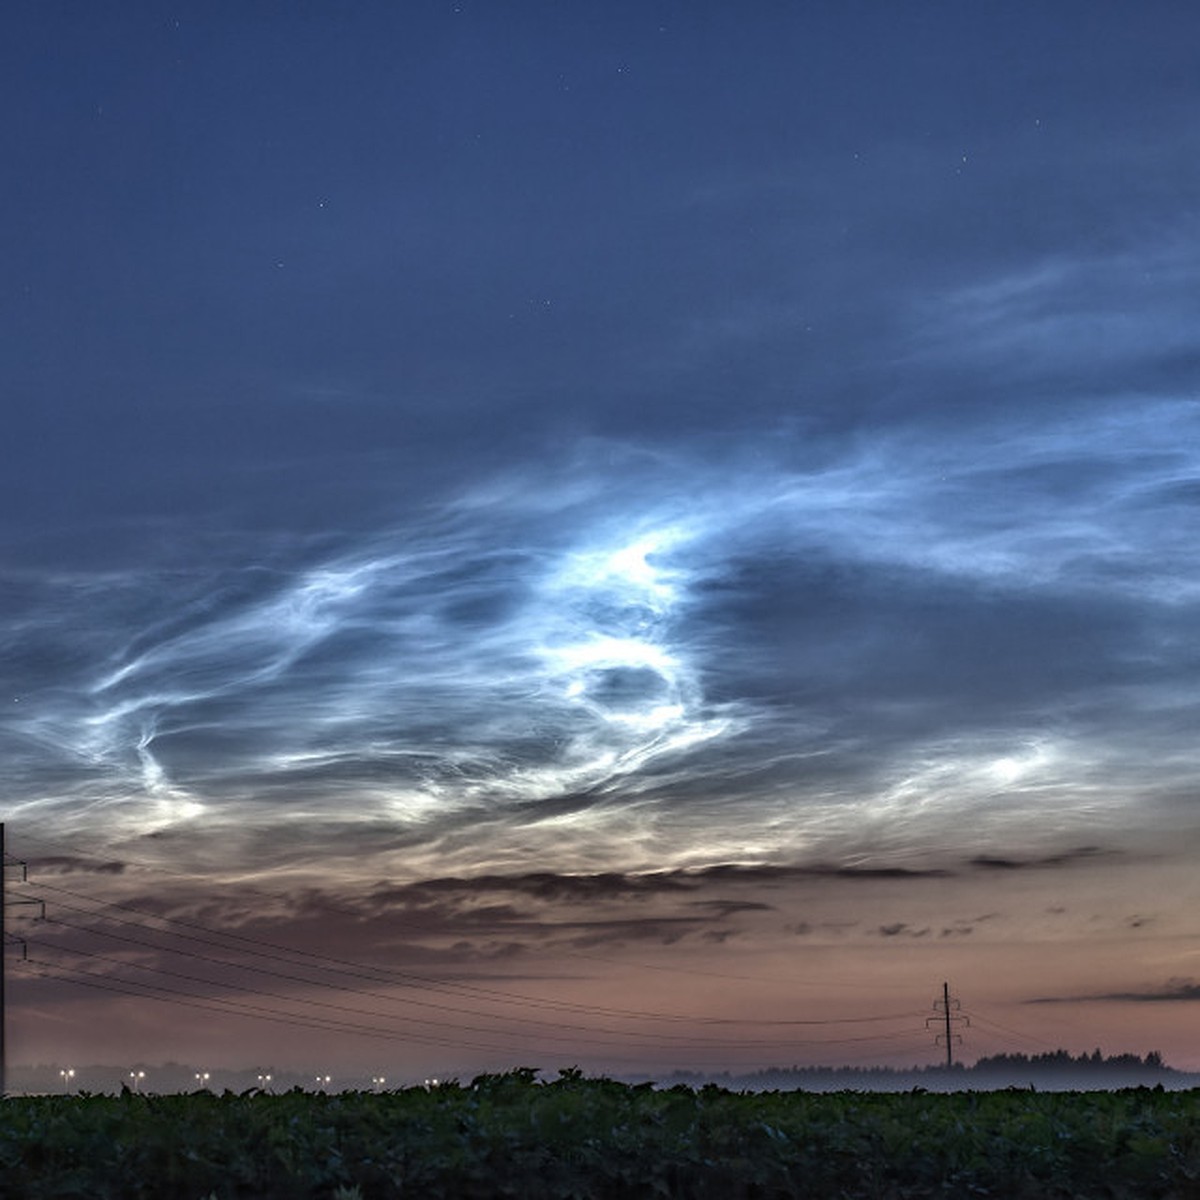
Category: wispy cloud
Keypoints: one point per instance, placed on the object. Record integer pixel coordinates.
(918, 638)
(1102, 318)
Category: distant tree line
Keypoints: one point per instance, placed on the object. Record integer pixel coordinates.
(1057, 1060)
(1052, 1070)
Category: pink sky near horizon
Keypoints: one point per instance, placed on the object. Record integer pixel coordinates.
(753, 967)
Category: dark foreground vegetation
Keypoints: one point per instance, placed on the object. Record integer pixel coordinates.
(510, 1136)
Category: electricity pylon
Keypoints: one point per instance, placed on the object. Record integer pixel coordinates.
(948, 1012)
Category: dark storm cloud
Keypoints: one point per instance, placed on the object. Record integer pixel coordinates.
(585, 889)
(542, 885)
(991, 862)
(65, 864)
(548, 902)
(721, 909)
(1174, 991)
(454, 926)
(902, 929)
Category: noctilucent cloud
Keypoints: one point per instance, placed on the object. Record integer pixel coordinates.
(650, 532)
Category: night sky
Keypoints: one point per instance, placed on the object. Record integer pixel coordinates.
(626, 524)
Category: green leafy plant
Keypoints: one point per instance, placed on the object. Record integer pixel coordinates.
(575, 1138)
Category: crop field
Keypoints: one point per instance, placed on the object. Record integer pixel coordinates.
(512, 1136)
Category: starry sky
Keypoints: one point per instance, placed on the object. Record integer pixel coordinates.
(652, 534)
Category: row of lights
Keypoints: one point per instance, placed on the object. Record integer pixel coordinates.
(67, 1075)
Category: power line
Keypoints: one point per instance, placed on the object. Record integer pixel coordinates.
(237, 944)
(235, 1008)
(1027, 1037)
(277, 952)
(676, 970)
(541, 1026)
(6, 860)
(165, 994)
(587, 955)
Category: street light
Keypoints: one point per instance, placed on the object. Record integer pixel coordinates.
(377, 1081)
(137, 1077)
(264, 1082)
(323, 1081)
(66, 1075)
(202, 1079)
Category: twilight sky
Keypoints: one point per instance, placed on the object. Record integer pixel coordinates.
(654, 533)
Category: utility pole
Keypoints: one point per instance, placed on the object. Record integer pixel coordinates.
(3, 964)
(947, 1011)
(4, 902)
